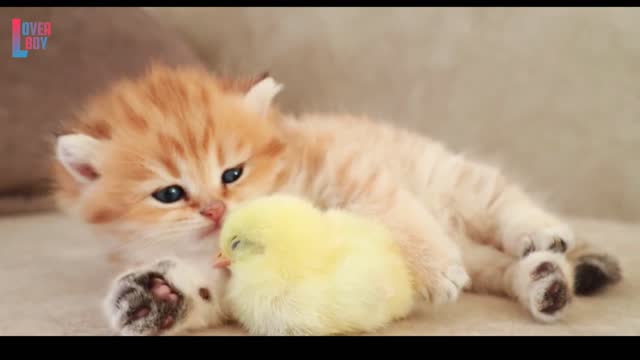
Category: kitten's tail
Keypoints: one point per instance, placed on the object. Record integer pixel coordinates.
(594, 269)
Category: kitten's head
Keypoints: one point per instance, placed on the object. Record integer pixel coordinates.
(158, 161)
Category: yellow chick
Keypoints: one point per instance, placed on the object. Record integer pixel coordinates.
(298, 270)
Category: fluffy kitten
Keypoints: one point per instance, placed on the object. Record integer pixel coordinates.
(156, 162)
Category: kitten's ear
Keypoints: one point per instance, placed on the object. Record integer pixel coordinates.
(240, 85)
(260, 96)
(78, 154)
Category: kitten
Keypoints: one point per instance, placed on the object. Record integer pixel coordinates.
(156, 162)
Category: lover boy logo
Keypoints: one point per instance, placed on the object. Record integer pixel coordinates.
(28, 36)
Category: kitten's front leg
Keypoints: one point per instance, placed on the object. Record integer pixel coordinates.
(434, 258)
(167, 297)
(525, 227)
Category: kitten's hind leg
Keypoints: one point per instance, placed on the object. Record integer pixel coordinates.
(541, 282)
(167, 297)
(519, 226)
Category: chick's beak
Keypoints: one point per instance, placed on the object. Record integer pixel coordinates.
(221, 261)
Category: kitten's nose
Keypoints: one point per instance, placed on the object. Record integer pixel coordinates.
(214, 210)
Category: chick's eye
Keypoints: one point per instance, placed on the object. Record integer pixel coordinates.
(235, 244)
(231, 175)
(170, 194)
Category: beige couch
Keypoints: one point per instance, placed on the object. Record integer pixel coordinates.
(551, 94)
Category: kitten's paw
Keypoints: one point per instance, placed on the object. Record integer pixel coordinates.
(557, 238)
(145, 303)
(543, 285)
(446, 286)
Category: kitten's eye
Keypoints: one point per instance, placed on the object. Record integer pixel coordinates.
(235, 244)
(231, 175)
(170, 194)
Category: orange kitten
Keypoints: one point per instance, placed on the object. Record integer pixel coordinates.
(156, 162)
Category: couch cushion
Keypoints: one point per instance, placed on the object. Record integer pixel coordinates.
(53, 277)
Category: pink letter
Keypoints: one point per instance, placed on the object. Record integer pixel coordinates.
(47, 28)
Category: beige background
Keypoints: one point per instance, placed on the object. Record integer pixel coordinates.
(552, 94)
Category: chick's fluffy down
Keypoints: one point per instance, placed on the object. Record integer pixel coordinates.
(317, 273)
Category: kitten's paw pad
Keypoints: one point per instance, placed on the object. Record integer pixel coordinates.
(545, 291)
(555, 297)
(558, 239)
(593, 272)
(447, 286)
(144, 303)
(164, 291)
(549, 292)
